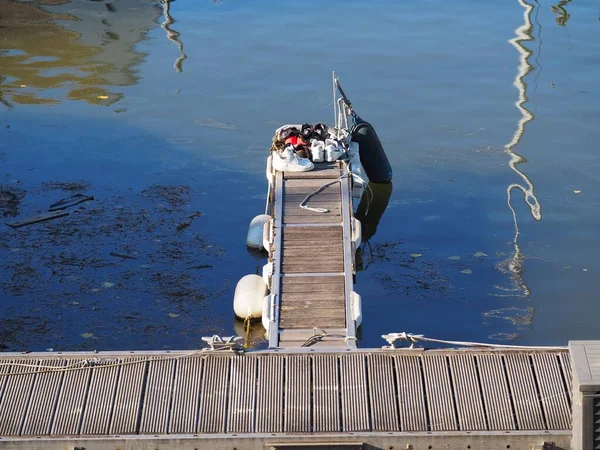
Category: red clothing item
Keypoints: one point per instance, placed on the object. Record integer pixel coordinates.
(295, 141)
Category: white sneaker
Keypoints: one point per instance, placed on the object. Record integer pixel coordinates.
(317, 149)
(333, 151)
(288, 161)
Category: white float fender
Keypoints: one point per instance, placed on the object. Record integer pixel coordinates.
(356, 166)
(356, 232)
(358, 187)
(248, 298)
(269, 171)
(356, 308)
(254, 239)
(267, 273)
(266, 236)
(266, 313)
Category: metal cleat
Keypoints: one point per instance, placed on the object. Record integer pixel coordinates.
(407, 337)
(216, 342)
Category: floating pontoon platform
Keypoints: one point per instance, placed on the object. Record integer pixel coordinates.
(355, 398)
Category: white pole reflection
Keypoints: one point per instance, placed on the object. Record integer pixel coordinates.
(172, 35)
(514, 264)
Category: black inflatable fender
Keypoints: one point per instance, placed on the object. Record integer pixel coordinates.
(372, 155)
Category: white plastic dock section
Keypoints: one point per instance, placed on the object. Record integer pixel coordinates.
(313, 260)
(381, 398)
(585, 357)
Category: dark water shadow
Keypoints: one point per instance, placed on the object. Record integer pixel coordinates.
(371, 207)
(136, 268)
(373, 203)
(440, 281)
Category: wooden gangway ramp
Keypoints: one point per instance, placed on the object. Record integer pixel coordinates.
(313, 260)
(194, 400)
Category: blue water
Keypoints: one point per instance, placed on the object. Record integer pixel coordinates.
(161, 115)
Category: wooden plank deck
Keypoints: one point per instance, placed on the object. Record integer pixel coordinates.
(312, 259)
(397, 391)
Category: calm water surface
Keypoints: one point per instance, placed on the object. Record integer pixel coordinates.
(488, 110)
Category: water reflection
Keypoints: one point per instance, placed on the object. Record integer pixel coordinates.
(514, 265)
(373, 204)
(82, 47)
(562, 16)
(172, 35)
(253, 333)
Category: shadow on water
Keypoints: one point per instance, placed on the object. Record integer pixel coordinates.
(56, 50)
(79, 47)
(133, 268)
(373, 204)
(254, 335)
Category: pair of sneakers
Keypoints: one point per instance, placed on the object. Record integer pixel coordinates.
(329, 151)
(288, 161)
(319, 131)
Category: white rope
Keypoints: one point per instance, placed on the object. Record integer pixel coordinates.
(92, 362)
(338, 124)
(346, 114)
(415, 338)
(84, 362)
(304, 202)
(319, 334)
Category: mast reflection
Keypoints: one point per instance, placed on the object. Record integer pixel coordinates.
(514, 264)
(562, 16)
(172, 35)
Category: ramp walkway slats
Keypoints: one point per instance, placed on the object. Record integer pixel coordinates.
(313, 259)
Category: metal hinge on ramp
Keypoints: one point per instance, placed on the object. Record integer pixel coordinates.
(545, 446)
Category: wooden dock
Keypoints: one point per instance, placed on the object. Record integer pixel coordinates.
(226, 400)
(313, 260)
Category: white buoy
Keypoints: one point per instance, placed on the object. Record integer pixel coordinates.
(255, 231)
(249, 297)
